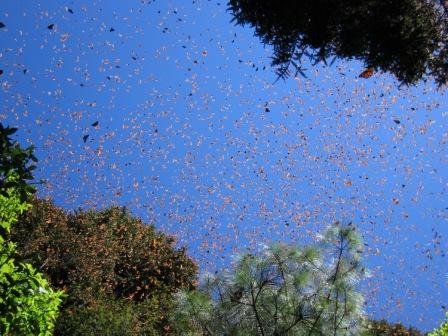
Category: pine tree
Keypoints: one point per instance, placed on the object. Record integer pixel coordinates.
(285, 290)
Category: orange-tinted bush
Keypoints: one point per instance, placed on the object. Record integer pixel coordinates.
(103, 255)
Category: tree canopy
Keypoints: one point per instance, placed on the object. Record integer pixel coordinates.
(407, 38)
(17, 160)
(118, 272)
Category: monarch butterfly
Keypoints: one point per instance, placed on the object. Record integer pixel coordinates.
(367, 73)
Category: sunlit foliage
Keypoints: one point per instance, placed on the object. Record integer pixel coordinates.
(442, 330)
(28, 305)
(405, 37)
(284, 291)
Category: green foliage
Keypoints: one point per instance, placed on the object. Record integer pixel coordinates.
(442, 330)
(10, 207)
(109, 263)
(16, 161)
(384, 328)
(118, 317)
(285, 291)
(28, 305)
(407, 38)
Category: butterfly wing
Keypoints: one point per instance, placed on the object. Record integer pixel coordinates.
(367, 73)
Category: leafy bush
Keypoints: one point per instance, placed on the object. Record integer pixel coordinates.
(28, 305)
(109, 263)
(286, 291)
(115, 317)
(384, 328)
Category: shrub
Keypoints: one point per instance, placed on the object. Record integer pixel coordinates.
(118, 317)
(384, 328)
(28, 305)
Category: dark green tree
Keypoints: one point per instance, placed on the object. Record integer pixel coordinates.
(15, 160)
(407, 38)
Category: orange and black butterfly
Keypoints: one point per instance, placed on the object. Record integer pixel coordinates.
(367, 73)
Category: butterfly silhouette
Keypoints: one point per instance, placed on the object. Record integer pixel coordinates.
(367, 73)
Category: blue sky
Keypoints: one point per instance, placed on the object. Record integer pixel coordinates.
(195, 135)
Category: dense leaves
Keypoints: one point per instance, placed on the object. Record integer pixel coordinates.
(116, 318)
(407, 38)
(28, 305)
(286, 291)
(100, 257)
(442, 330)
(384, 328)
